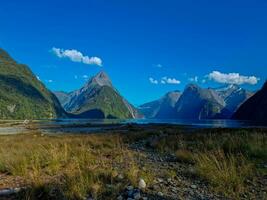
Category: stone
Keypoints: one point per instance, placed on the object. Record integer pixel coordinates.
(193, 186)
(130, 187)
(137, 195)
(130, 193)
(160, 194)
(142, 184)
(160, 180)
(120, 177)
(120, 198)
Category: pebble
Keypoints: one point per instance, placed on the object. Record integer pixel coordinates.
(120, 177)
(120, 198)
(130, 187)
(193, 186)
(142, 184)
(160, 194)
(130, 193)
(160, 180)
(137, 195)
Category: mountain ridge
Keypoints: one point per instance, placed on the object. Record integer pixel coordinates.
(98, 96)
(254, 108)
(218, 103)
(23, 96)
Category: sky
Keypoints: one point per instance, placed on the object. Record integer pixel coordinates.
(147, 47)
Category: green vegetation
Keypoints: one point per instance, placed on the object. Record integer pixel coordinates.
(22, 95)
(109, 102)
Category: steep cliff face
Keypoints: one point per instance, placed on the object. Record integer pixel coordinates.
(22, 95)
(162, 108)
(255, 108)
(97, 99)
(199, 103)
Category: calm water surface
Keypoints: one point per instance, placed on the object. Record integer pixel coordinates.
(222, 123)
(100, 125)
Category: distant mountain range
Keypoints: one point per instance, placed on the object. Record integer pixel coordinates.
(255, 108)
(197, 103)
(162, 108)
(22, 95)
(97, 99)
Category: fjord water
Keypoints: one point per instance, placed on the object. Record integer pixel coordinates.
(208, 123)
(84, 126)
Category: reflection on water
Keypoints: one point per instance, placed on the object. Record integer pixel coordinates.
(220, 123)
(99, 125)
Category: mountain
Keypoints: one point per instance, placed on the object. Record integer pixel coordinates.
(63, 97)
(199, 103)
(255, 108)
(22, 95)
(162, 108)
(97, 99)
(233, 96)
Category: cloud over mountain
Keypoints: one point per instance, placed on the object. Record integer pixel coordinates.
(76, 56)
(169, 80)
(164, 80)
(232, 78)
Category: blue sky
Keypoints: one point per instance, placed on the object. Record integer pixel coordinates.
(147, 47)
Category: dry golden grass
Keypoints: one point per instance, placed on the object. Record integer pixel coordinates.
(73, 166)
(223, 157)
(226, 173)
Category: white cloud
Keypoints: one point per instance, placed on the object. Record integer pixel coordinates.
(193, 79)
(159, 65)
(38, 78)
(164, 80)
(76, 77)
(85, 76)
(76, 56)
(49, 81)
(153, 81)
(170, 80)
(232, 78)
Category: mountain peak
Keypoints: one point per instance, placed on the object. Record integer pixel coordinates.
(102, 75)
(191, 87)
(101, 79)
(228, 87)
